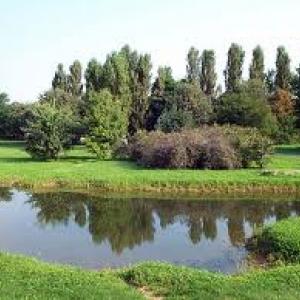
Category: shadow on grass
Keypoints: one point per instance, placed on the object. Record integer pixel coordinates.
(12, 144)
(292, 150)
(17, 160)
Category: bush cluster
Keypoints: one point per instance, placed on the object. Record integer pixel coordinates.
(205, 148)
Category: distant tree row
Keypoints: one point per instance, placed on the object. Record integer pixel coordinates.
(111, 101)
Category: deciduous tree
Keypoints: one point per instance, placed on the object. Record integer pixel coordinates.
(107, 123)
(283, 71)
(234, 69)
(257, 67)
(208, 76)
(193, 65)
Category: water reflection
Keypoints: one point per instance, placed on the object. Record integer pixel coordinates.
(159, 229)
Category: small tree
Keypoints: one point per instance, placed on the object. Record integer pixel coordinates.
(283, 108)
(46, 134)
(107, 123)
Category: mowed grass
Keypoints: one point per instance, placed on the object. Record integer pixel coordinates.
(78, 168)
(26, 278)
(173, 282)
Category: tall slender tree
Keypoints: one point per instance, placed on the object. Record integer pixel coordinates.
(140, 100)
(208, 76)
(283, 69)
(193, 65)
(60, 78)
(93, 76)
(75, 78)
(115, 77)
(257, 67)
(234, 69)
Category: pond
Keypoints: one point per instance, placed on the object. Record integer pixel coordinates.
(99, 231)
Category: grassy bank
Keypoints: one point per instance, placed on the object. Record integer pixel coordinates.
(185, 283)
(79, 169)
(26, 278)
(281, 240)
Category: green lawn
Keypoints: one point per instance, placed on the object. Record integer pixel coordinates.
(80, 169)
(26, 278)
(174, 282)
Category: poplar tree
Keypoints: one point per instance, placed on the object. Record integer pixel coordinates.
(60, 78)
(283, 69)
(115, 77)
(140, 100)
(74, 79)
(257, 67)
(234, 69)
(193, 65)
(208, 76)
(93, 76)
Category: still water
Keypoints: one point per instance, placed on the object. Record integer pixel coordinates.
(96, 232)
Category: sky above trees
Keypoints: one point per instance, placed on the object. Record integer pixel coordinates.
(37, 35)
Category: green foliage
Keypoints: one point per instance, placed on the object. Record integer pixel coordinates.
(283, 69)
(107, 123)
(164, 84)
(251, 145)
(4, 110)
(257, 67)
(270, 81)
(162, 91)
(93, 76)
(175, 118)
(281, 240)
(74, 79)
(60, 78)
(193, 65)
(116, 77)
(208, 76)
(234, 69)
(47, 132)
(142, 81)
(247, 107)
(189, 107)
(17, 117)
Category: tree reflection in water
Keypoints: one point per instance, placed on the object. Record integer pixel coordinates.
(125, 223)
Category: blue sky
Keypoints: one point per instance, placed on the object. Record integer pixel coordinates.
(36, 35)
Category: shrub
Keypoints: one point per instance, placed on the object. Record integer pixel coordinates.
(250, 144)
(206, 148)
(217, 152)
(47, 133)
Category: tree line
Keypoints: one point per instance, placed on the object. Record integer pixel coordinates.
(111, 101)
